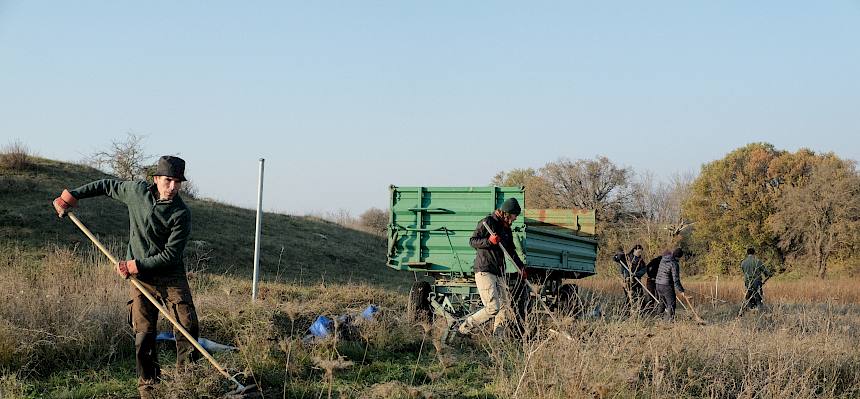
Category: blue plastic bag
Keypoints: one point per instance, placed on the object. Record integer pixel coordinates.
(322, 327)
(370, 312)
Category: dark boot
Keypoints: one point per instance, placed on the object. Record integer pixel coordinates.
(146, 356)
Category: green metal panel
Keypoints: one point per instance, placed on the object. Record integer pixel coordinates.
(430, 228)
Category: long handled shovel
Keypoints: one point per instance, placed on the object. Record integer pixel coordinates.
(240, 390)
(638, 281)
(531, 287)
(698, 319)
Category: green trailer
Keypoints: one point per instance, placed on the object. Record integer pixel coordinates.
(429, 231)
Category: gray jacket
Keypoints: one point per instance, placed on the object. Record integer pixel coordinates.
(669, 272)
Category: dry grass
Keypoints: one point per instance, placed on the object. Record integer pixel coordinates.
(64, 309)
(806, 291)
(794, 347)
(15, 156)
(785, 354)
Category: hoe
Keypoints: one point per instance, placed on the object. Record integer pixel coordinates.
(241, 391)
(696, 316)
(532, 288)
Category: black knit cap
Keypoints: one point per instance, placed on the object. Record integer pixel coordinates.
(170, 166)
(512, 206)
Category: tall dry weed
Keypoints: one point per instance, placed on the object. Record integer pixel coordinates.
(15, 156)
(61, 310)
(785, 350)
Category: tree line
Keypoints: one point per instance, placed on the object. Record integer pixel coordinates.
(800, 210)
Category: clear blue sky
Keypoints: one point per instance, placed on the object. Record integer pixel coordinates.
(345, 98)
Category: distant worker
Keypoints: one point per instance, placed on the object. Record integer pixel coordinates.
(755, 274)
(160, 224)
(489, 267)
(632, 267)
(651, 302)
(668, 280)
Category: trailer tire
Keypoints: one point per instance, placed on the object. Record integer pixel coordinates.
(418, 307)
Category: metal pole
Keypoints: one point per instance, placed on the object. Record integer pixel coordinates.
(259, 232)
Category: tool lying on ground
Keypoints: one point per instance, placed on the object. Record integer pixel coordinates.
(698, 319)
(241, 391)
(531, 287)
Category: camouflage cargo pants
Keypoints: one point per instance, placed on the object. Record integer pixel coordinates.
(175, 294)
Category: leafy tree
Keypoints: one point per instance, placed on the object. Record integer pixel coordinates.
(538, 194)
(820, 215)
(730, 202)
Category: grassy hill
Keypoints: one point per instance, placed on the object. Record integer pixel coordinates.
(294, 248)
(64, 331)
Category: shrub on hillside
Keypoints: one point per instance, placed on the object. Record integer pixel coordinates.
(375, 220)
(126, 159)
(15, 156)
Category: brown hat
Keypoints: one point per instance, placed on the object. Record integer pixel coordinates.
(170, 166)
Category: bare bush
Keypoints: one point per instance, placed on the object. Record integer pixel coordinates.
(597, 184)
(375, 220)
(653, 216)
(125, 159)
(342, 217)
(189, 189)
(15, 156)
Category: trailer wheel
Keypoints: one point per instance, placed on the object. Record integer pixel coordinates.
(568, 300)
(521, 304)
(418, 308)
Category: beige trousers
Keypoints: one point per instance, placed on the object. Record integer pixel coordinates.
(494, 296)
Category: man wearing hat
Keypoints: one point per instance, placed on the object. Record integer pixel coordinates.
(160, 224)
(489, 267)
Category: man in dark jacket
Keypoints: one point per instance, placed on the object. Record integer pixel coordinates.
(160, 224)
(754, 273)
(653, 267)
(489, 267)
(669, 279)
(632, 267)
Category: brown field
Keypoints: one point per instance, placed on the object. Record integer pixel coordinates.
(64, 334)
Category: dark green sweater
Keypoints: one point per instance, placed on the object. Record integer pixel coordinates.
(159, 229)
(753, 270)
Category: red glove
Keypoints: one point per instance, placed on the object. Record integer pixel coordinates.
(64, 202)
(523, 274)
(494, 239)
(126, 268)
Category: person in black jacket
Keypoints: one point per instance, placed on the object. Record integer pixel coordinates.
(489, 267)
(651, 304)
(669, 279)
(632, 267)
